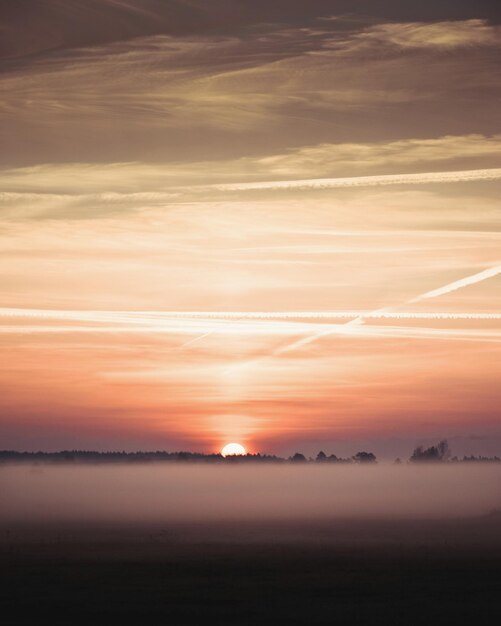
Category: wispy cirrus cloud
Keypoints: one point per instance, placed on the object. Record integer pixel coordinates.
(443, 35)
(405, 153)
(276, 85)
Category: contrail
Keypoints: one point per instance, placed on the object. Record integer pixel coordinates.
(313, 325)
(368, 181)
(160, 317)
(459, 284)
(311, 331)
(190, 342)
(346, 327)
(368, 331)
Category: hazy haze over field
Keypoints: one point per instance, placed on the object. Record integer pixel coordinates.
(197, 493)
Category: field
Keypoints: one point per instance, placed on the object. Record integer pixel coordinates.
(312, 572)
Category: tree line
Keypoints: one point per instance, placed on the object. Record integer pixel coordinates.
(439, 453)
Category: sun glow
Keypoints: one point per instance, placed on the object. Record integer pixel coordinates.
(231, 449)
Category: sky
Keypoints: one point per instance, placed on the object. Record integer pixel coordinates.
(275, 223)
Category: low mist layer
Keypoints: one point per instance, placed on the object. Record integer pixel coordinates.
(177, 493)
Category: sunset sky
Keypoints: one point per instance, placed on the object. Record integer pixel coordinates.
(276, 223)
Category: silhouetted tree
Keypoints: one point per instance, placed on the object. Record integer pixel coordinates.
(364, 457)
(298, 458)
(321, 457)
(481, 459)
(434, 454)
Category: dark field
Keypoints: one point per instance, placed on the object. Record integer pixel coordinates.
(327, 572)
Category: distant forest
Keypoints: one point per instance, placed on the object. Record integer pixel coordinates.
(438, 453)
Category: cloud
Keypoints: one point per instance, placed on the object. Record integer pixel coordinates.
(435, 35)
(111, 183)
(158, 81)
(328, 158)
(277, 86)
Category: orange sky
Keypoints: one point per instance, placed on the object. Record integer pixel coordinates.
(176, 275)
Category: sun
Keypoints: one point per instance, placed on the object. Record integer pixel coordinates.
(231, 449)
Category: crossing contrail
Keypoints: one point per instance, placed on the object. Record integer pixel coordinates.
(313, 325)
(459, 284)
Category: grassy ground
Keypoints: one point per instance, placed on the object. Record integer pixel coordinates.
(277, 573)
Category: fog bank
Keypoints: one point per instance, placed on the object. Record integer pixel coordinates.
(177, 492)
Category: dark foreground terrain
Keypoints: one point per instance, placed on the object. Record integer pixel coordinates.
(397, 572)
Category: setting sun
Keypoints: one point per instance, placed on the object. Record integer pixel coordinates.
(232, 449)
